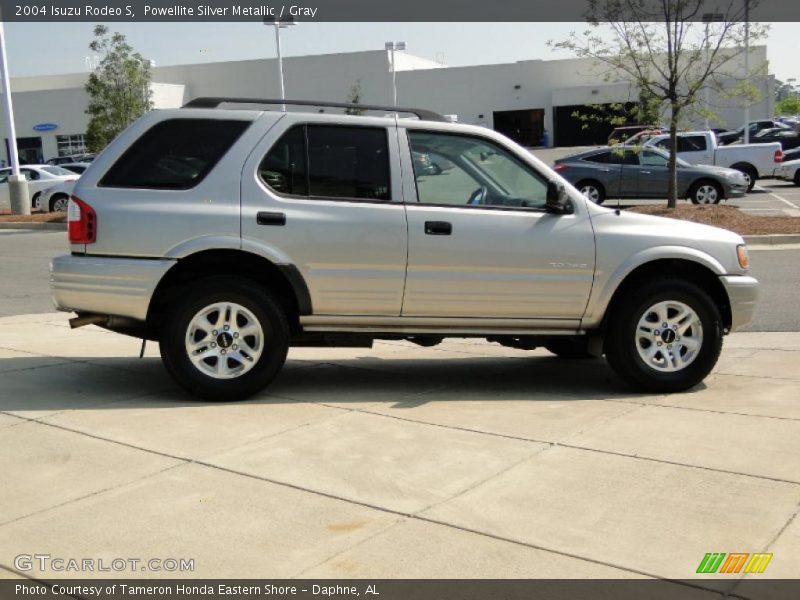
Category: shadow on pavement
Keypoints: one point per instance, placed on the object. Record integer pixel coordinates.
(36, 384)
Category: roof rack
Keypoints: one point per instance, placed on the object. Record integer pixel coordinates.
(214, 102)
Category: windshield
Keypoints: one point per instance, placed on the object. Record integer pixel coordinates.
(58, 171)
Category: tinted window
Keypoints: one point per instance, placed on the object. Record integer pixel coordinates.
(330, 161)
(175, 154)
(472, 171)
(691, 143)
(284, 167)
(614, 158)
(348, 162)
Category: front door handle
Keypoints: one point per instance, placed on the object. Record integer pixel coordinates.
(646, 172)
(271, 218)
(438, 228)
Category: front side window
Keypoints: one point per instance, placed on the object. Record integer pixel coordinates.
(330, 162)
(652, 159)
(472, 171)
(175, 154)
(694, 143)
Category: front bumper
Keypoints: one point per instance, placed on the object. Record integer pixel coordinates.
(735, 189)
(742, 294)
(107, 286)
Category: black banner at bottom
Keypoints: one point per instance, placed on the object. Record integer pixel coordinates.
(404, 589)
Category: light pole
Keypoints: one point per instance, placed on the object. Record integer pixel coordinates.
(708, 18)
(280, 24)
(747, 68)
(17, 185)
(392, 47)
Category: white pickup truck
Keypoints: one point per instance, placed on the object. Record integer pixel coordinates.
(700, 148)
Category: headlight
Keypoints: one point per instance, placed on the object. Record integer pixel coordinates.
(744, 258)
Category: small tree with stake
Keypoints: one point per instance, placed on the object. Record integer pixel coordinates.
(354, 97)
(661, 47)
(118, 89)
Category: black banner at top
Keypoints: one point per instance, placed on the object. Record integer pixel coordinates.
(363, 10)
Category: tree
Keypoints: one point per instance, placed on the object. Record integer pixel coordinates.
(354, 97)
(118, 89)
(788, 106)
(662, 50)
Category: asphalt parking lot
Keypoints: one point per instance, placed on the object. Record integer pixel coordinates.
(463, 460)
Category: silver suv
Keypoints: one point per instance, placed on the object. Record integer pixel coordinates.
(229, 232)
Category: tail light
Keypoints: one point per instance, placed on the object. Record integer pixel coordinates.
(560, 167)
(778, 155)
(81, 222)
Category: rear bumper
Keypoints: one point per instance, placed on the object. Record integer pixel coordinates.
(107, 286)
(742, 295)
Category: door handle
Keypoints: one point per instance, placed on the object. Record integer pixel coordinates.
(646, 172)
(438, 228)
(271, 218)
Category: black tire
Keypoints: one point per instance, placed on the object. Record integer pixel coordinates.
(570, 348)
(55, 199)
(751, 173)
(698, 185)
(269, 315)
(797, 177)
(598, 187)
(35, 199)
(621, 343)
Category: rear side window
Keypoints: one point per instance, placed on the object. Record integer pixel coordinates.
(175, 154)
(330, 161)
(692, 143)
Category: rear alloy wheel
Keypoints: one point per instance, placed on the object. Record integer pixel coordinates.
(226, 340)
(665, 336)
(59, 203)
(593, 191)
(706, 192)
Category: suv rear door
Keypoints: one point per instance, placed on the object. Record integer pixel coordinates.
(480, 242)
(326, 197)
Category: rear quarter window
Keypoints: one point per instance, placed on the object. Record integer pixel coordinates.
(174, 155)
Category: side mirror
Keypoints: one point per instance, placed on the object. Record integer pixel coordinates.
(557, 198)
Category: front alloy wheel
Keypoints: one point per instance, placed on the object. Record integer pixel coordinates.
(664, 335)
(669, 336)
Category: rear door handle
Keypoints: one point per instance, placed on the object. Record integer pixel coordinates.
(271, 218)
(646, 172)
(438, 228)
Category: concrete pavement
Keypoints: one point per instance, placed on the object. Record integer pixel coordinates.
(463, 460)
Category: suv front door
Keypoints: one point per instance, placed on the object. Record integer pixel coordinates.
(481, 244)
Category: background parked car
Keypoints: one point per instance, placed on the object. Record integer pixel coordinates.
(76, 167)
(787, 138)
(40, 177)
(789, 171)
(75, 158)
(56, 198)
(620, 134)
(701, 148)
(728, 137)
(622, 172)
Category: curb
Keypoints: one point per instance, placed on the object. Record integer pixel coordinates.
(772, 239)
(37, 226)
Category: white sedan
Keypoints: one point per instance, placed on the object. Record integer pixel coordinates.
(40, 178)
(789, 171)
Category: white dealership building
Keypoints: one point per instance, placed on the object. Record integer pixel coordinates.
(532, 101)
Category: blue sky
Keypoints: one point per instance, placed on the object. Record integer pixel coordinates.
(47, 48)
